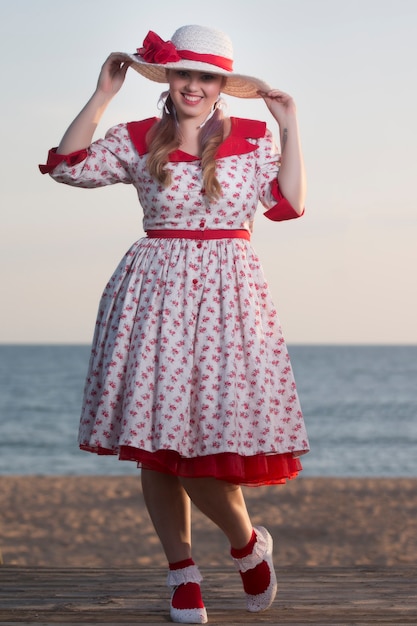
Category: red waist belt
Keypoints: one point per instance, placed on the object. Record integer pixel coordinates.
(165, 233)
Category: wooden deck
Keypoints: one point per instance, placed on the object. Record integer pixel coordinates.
(139, 596)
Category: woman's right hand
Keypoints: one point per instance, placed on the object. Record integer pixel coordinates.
(80, 132)
(113, 73)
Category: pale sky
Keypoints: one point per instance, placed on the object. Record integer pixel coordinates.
(344, 273)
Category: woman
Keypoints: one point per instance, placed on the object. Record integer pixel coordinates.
(189, 373)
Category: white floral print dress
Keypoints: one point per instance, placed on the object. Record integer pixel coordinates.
(189, 372)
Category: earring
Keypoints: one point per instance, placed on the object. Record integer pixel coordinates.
(162, 102)
(220, 103)
(214, 108)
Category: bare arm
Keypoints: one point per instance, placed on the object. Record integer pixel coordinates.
(292, 179)
(79, 134)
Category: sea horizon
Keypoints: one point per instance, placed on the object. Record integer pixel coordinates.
(359, 403)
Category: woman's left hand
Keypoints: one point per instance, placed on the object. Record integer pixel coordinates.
(281, 105)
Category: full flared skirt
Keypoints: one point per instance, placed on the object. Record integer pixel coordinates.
(189, 371)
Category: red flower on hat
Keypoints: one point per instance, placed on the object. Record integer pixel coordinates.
(156, 50)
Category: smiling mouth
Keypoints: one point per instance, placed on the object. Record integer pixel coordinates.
(191, 99)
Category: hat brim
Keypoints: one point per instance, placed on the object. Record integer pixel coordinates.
(237, 85)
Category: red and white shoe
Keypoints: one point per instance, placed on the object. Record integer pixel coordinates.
(257, 572)
(187, 606)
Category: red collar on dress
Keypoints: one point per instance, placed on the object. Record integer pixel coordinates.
(235, 143)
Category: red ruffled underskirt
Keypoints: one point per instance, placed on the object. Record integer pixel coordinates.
(261, 469)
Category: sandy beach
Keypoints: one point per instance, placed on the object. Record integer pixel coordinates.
(102, 522)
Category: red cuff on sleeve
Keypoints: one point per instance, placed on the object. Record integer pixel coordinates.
(282, 210)
(55, 159)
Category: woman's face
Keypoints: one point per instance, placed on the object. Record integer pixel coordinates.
(193, 92)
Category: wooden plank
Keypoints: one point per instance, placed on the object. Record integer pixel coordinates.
(354, 595)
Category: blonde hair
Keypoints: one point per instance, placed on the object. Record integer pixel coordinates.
(164, 137)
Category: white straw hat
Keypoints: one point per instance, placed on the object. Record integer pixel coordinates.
(195, 48)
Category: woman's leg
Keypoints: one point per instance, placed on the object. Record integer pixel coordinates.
(169, 508)
(251, 548)
(170, 511)
(224, 504)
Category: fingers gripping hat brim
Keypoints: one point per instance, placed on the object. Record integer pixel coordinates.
(237, 85)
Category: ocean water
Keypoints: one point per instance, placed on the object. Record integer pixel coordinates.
(360, 406)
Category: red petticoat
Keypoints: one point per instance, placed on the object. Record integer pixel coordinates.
(261, 469)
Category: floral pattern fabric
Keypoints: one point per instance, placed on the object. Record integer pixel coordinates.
(188, 355)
